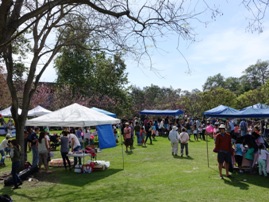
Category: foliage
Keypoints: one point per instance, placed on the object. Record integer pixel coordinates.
(255, 75)
(215, 97)
(214, 82)
(44, 96)
(249, 98)
(91, 77)
(234, 85)
(191, 103)
(154, 97)
(4, 92)
(264, 92)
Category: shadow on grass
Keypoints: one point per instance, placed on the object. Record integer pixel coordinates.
(61, 176)
(183, 157)
(66, 193)
(254, 179)
(244, 180)
(233, 181)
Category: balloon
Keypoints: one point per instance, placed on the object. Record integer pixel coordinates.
(209, 129)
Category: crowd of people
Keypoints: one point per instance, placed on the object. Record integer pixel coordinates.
(234, 140)
(240, 141)
(145, 131)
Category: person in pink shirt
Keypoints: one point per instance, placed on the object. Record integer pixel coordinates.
(128, 141)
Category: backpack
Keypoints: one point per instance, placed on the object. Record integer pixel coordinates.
(5, 198)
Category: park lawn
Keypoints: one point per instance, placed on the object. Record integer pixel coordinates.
(147, 174)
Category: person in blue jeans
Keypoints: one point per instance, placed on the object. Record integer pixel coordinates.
(75, 147)
(137, 133)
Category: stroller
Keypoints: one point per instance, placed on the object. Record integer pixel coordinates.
(54, 142)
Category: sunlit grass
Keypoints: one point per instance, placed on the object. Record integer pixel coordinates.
(147, 174)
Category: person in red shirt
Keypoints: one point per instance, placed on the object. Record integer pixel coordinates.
(223, 146)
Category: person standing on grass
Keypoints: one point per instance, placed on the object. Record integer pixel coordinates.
(3, 146)
(153, 130)
(262, 160)
(132, 134)
(223, 146)
(238, 150)
(184, 139)
(34, 146)
(174, 137)
(65, 149)
(127, 137)
(142, 136)
(148, 133)
(137, 133)
(75, 146)
(195, 131)
(43, 150)
(15, 155)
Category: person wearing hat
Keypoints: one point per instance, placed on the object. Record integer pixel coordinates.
(3, 147)
(174, 137)
(128, 141)
(223, 146)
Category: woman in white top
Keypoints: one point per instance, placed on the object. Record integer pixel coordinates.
(43, 150)
(75, 146)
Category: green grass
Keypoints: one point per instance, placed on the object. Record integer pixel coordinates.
(149, 174)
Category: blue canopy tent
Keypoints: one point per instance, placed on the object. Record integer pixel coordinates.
(221, 111)
(162, 112)
(257, 106)
(248, 112)
(104, 112)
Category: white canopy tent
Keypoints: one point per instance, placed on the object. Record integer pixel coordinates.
(38, 111)
(74, 115)
(7, 112)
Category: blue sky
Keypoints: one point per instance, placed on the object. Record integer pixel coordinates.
(224, 46)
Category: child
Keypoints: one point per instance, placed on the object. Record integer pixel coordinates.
(262, 160)
(116, 135)
(238, 150)
(153, 131)
(195, 132)
(142, 136)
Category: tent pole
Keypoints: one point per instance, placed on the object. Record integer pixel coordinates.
(207, 150)
(121, 140)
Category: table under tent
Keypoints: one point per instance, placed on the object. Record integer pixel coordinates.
(76, 115)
